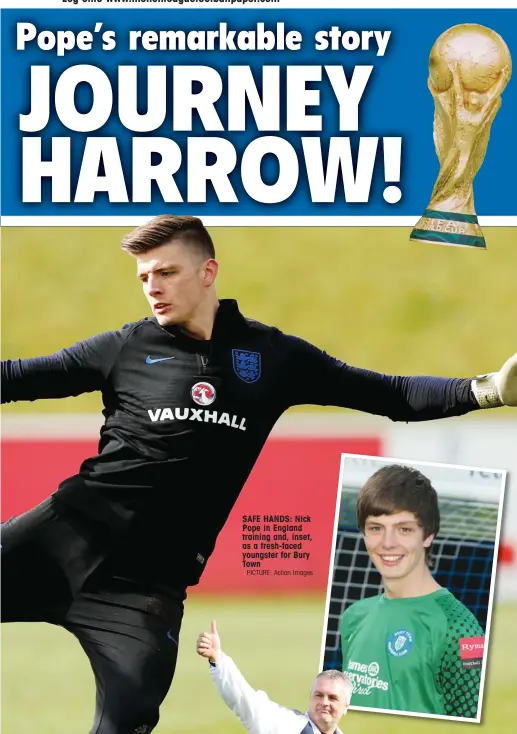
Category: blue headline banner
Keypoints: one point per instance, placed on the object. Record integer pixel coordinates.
(233, 113)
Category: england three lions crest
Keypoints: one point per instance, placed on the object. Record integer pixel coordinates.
(246, 365)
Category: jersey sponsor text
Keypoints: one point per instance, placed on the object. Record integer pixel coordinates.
(194, 414)
(471, 651)
(364, 677)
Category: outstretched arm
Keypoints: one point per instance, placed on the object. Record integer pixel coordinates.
(257, 713)
(313, 377)
(83, 367)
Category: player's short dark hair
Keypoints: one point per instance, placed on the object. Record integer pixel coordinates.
(398, 488)
(166, 228)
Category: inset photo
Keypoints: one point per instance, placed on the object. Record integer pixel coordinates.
(411, 584)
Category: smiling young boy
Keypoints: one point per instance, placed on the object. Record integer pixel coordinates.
(415, 648)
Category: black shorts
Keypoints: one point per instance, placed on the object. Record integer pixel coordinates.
(129, 632)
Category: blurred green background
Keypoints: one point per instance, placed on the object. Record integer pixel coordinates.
(366, 295)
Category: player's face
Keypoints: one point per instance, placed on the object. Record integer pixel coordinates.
(175, 280)
(328, 703)
(396, 544)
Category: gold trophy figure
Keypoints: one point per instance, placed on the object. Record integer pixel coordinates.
(469, 67)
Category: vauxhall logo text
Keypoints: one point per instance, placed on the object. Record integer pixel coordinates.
(195, 414)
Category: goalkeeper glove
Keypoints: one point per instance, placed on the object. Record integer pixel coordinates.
(497, 388)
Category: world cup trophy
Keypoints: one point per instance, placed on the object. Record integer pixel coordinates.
(469, 67)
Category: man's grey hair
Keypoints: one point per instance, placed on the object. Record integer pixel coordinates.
(336, 675)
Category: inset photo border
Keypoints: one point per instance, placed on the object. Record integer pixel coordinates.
(411, 584)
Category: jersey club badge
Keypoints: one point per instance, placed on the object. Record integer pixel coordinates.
(246, 365)
(203, 393)
(400, 643)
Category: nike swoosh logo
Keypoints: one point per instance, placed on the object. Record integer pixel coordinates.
(150, 360)
(172, 638)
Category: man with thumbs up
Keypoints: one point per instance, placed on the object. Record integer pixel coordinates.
(328, 702)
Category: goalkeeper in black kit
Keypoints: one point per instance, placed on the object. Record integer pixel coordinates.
(190, 395)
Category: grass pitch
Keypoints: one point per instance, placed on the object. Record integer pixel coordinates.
(47, 685)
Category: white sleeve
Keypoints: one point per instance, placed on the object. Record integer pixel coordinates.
(257, 713)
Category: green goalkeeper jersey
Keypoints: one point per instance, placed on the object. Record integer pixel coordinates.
(422, 654)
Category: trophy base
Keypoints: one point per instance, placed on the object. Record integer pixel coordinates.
(448, 228)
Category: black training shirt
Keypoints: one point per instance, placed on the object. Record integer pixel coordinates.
(185, 421)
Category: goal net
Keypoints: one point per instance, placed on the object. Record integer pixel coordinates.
(462, 554)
